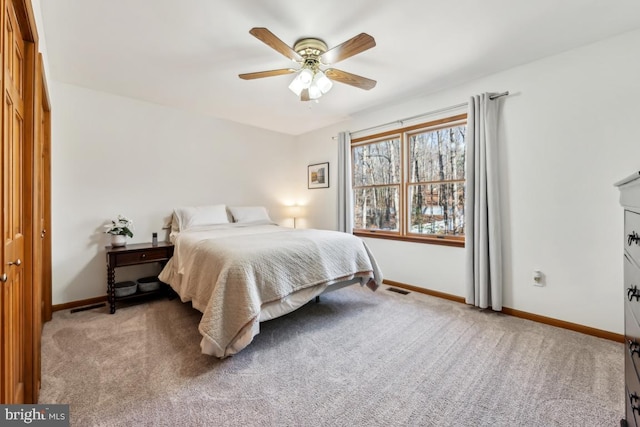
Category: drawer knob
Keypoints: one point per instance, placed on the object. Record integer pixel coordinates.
(634, 347)
(143, 256)
(633, 397)
(632, 238)
(633, 292)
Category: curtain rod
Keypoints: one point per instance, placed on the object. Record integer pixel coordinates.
(430, 113)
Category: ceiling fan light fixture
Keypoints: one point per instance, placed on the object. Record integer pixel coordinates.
(310, 82)
(306, 77)
(314, 92)
(322, 82)
(296, 85)
(304, 80)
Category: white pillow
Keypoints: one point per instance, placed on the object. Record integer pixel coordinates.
(249, 213)
(189, 217)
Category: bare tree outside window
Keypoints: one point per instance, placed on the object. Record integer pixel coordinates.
(436, 181)
(376, 185)
(409, 183)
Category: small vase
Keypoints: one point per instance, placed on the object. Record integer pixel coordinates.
(118, 240)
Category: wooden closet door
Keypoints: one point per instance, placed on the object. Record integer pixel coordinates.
(13, 292)
(43, 192)
(41, 279)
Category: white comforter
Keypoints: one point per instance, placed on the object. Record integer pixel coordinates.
(232, 273)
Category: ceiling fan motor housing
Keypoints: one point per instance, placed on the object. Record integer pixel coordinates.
(310, 48)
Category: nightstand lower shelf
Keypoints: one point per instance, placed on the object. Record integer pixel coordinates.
(135, 254)
(164, 291)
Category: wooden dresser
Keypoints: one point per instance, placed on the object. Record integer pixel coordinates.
(630, 200)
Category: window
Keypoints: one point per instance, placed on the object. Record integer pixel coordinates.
(376, 184)
(409, 184)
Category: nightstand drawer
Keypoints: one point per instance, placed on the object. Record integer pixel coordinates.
(140, 257)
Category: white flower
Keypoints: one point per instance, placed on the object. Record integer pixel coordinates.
(122, 226)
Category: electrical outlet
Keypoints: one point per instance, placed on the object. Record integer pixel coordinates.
(538, 278)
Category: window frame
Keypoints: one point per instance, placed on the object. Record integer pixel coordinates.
(404, 134)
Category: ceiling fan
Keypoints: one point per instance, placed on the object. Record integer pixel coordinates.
(312, 81)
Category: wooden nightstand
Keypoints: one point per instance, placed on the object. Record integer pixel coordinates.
(133, 254)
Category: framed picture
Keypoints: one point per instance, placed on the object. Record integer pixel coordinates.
(318, 175)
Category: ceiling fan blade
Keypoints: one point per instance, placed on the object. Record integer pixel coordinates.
(270, 73)
(353, 46)
(350, 79)
(270, 39)
(304, 95)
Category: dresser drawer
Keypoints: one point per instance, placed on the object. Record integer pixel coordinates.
(630, 416)
(632, 234)
(632, 393)
(632, 287)
(632, 340)
(140, 257)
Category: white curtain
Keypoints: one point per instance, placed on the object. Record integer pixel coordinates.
(345, 204)
(483, 246)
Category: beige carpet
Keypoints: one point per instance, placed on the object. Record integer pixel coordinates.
(357, 358)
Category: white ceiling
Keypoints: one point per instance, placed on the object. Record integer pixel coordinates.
(188, 54)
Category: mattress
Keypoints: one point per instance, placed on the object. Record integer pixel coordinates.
(241, 274)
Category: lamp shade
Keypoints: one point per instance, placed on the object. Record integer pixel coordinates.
(315, 81)
(301, 81)
(314, 91)
(294, 210)
(306, 77)
(296, 85)
(322, 82)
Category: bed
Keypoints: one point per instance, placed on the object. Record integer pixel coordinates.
(239, 268)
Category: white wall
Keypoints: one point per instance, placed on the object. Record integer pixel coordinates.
(113, 155)
(567, 135)
(42, 42)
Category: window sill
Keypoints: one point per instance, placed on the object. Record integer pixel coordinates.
(455, 242)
